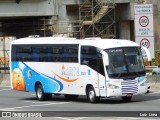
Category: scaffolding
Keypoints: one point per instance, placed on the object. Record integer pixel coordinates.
(25, 26)
(4, 53)
(15, 28)
(97, 19)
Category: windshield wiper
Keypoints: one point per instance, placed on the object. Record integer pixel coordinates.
(128, 71)
(119, 75)
(136, 73)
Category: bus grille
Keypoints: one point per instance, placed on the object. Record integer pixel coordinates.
(130, 86)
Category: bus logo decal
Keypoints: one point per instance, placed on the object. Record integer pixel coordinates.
(66, 79)
(70, 71)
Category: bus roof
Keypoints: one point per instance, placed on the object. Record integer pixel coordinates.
(97, 42)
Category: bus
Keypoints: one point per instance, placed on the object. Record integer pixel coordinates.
(94, 67)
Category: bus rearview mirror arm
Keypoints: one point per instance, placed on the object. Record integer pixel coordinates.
(146, 53)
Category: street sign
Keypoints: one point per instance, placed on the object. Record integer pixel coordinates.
(144, 25)
(144, 31)
(144, 21)
(145, 43)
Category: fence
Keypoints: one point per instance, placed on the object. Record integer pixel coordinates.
(4, 80)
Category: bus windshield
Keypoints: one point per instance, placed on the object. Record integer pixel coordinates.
(125, 63)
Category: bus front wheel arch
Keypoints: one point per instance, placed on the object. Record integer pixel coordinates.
(41, 96)
(40, 92)
(91, 95)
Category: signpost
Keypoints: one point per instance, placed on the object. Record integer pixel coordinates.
(144, 32)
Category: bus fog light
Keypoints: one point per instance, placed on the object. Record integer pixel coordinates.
(111, 86)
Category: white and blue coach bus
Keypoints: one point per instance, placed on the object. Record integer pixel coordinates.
(94, 67)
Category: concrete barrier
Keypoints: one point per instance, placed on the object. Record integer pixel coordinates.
(5, 80)
(154, 81)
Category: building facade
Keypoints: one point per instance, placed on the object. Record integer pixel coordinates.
(72, 18)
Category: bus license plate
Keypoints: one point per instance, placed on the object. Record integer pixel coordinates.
(130, 94)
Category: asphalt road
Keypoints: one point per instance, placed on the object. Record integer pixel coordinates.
(58, 107)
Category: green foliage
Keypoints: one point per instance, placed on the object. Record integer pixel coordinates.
(149, 71)
(0, 81)
(158, 52)
(156, 60)
(153, 62)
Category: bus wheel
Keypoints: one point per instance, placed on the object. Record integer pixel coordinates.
(70, 97)
(40, 92)
(91, 95)
(127, 99)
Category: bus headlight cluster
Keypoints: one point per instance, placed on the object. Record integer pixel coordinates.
(111, 86)
(140, 79)
(144, 83)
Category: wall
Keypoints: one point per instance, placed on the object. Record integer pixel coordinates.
(124, 30)
(9, 8)
(65, 17)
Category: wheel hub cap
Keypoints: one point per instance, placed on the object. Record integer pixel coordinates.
(91, 95)
(39, 93)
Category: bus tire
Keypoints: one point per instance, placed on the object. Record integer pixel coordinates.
(126, 99)
(70, 97)
(91, 95)
(40, 92)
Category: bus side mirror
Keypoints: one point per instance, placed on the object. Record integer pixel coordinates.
(105, 58)
(146, 54)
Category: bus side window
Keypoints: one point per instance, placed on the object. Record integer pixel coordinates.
(100, 65)
(84, 52)
(89, 56)
(65, 55)
(13, 54)
(19, 57)
(92, 58)
(35, 54)
(50, 58)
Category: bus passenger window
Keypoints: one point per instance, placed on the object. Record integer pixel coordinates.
(89, 57)
(35, 54)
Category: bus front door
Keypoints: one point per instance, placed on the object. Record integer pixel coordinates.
(101, 76)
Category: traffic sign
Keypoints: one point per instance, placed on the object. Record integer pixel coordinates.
(145, 43)
(144, 21)
(144, 30)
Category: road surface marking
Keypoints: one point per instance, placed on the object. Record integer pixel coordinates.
(5, 90)
(14, 108)
(38, 102)
(79, 118)
(155, 92)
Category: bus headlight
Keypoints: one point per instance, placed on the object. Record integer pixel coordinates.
(111, 86)
(144, 83)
